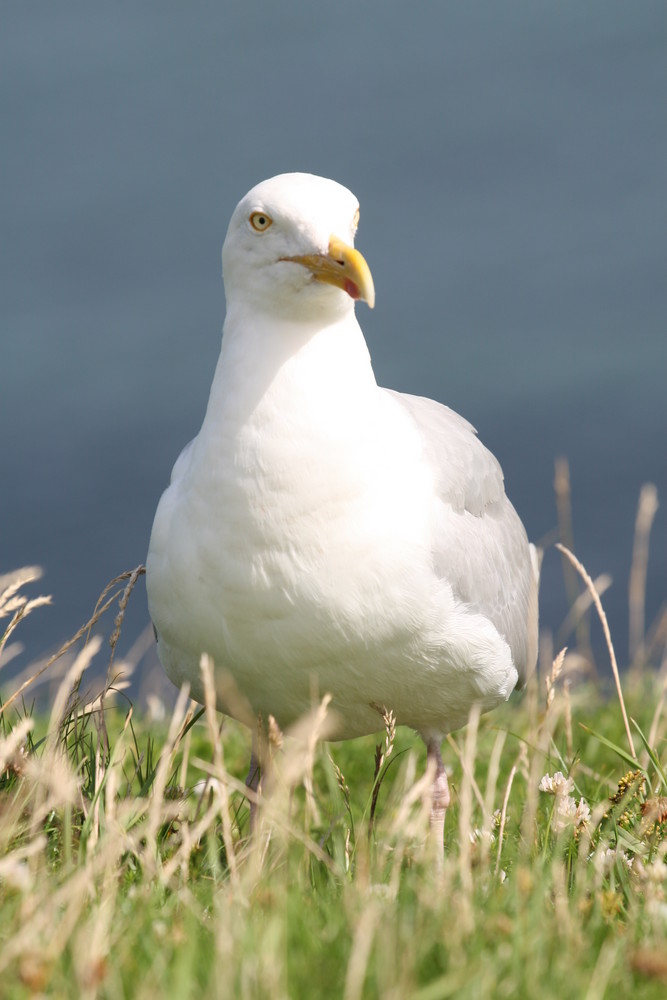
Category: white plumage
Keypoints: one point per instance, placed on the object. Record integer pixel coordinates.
(322, 534)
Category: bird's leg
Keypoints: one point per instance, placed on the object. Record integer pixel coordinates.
(252, 783)
(439, 794)
(265, 744)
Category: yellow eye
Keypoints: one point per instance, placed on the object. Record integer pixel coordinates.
(356, 218)
(260, 221)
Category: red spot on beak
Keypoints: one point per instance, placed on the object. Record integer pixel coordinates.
(351, 289)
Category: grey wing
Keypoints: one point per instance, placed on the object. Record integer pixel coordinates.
(480, 545)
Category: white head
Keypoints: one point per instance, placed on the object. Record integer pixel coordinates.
(288, 249)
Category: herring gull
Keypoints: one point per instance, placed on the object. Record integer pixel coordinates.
(323, 533)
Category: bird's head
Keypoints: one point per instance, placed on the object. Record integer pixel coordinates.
(289, 249)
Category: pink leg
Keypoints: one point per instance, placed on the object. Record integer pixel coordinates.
(439, 794)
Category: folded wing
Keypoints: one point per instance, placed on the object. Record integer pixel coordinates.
(479, 543)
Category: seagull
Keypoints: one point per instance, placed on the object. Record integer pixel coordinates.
(324, 534)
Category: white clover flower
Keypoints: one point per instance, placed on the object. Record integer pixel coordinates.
(652, 875)
(564, 814)
(582, 813)
(557, 784)
(605, 860)
(569, 812)
(652, 883)
(477, 836)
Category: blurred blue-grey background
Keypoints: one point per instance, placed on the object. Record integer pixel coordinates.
(511, 163)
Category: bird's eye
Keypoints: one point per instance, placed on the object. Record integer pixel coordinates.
(260, 221)
(356, 218)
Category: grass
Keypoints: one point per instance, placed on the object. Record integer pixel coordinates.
(126, 868)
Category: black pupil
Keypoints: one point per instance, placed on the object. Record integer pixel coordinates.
(261, 220)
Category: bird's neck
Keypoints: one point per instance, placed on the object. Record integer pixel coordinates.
(288, 368)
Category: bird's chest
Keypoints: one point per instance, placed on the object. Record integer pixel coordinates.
(306, 537)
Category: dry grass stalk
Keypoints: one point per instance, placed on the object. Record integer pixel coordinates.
(465, 814)
(12, 746)
(566, 532)
(15, 604)
(377, 767)
(122, 606)
(361, 949)
(381, 755)
(552, 677)
(607, 634)
(100, 608)
(560, 899)
(221, 786)
(490, 793)
(408, 833)
(70, 681)
(274, 735)
(503, 817)
(157, 805)
(646, 511)
(531, 768)
(341, 782)
(389, 720)
(603, 970)
(50, 922)
(314, 736)
(467, 773)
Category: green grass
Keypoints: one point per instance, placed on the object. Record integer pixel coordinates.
(126, 868)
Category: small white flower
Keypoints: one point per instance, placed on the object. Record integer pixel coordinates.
(556, 785)
(564, 814)
(476, 836)
(652, 874)
(546, 784)
(582, 813)
(605, 860)
(569, 812)
(651, 879)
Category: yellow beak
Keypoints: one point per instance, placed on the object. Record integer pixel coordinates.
(342, 266)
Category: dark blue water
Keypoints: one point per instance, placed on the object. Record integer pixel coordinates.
(511, 163)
